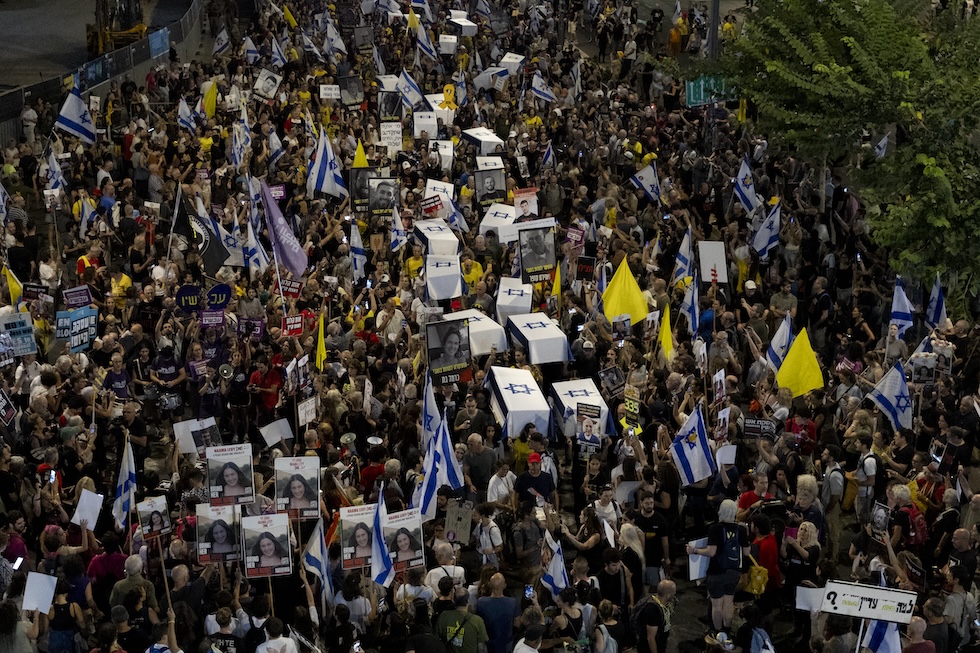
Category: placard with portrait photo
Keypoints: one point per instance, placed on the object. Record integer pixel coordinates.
(298, 486)
(154, 517)
(230, 475)
(526, 203)
(491, 186)
(403, 539)
(265, 541)
(356, 533)
(218, 533)
(390, 106)
(351, 90)
(537, 247)
(360, 179)
(448, 343)
(384, 196)
(266, 85)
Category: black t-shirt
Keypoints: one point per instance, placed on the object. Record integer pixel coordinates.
(717, 536)
(227, 643)
(425, 643)
(652, 615)
(527, 485)
(654, 529)
(134, 639)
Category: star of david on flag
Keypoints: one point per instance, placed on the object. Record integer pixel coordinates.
(518, 389)
(891, 395)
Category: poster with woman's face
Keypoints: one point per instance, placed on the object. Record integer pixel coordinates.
(403, 539)
(356, 536)
(448, 343)
(298, 486)
(218, 529)
(154, 517)
(230, 475)
(266, 546)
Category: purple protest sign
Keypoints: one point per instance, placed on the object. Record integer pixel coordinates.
(249, 328)
(77, 296)
(212, 318)
(287, 249)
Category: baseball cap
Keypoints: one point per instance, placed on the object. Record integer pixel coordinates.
(750, 285)
(534, 458)
(588, 344)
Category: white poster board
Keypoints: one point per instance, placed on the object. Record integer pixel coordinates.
(697, 566)
(714, 263)
(88, 509)
(39, 592)
(868, 602)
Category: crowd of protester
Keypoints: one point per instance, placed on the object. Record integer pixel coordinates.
(822, 487)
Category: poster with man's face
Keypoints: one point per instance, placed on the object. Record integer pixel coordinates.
(526, 203)
(490, 186)
(537, 247)
(218, 533)
(383, 192)
(360, 181)
(448, 343)
(298, 486)
(389, 106)
(351, 90)
(266, 85)
(266, 546)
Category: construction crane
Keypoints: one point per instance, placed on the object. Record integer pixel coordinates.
(117, 23)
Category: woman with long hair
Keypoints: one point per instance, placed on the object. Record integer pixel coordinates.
(233, 481)
(631, 544)
(269, 551)
(16, 634)
(405, 546)
(221, 536)
(299, 493)
(800, 556)
(360, 541)
(590, 538)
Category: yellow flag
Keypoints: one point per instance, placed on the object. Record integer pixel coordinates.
(321, 346)
(13, 283)
(665, 337)
(556, 286)
(211, 100)
(413, 20)
(743, 110)
(360, 158)
(624, 297)
(289, 17)
(800, 371)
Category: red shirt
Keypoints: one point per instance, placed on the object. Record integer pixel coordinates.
(369, 475)
(267, 400)
(85, 262)
(750, 497)
(769, 558)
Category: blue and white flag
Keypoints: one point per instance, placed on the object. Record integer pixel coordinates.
(422, 8)
(325, 175)
(357, 254)
(780, 344)
(483, 8)
(439, 467)
(88, 216)
(936, 310)
(684, 266)
(56, 179)
(256, 258)
(577, 78)
(382, 569)
(690, 308)
(455, 217)
(185, 118)
(251, 52)
(399, 238)
(881, 149)
(278, 58)
(125, 488)
(548, 160)
(221, 43)
(276, 150)
(892, 396)
(691, 452)
(461, 90)
(410, 91)
(75, 118)
(316, 560)
(766, 238)
(379, 64)
(540, 88)
(334, 43)
(648, 181)
(425, 44)
(745, 188)
(241, 140)
(678, 12)
(310, 48)
(431, 419)
(555, 577)
(882, 637)
(4, 198)
(901, 315)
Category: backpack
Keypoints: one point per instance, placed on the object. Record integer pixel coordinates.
(881, 476)
(731, 549)
(918, 531)
(761, 643)
(610, 645)
(758, 578)
(636, 625)
(254, 636)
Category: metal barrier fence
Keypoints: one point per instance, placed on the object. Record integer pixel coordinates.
(140, 55)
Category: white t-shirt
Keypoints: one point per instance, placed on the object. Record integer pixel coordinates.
(278, 645)
(498, 489)
(432, 578)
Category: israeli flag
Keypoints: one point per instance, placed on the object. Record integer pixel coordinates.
(648, 181)
(56, 179)
(425, 44)
(185, 118)
(483, 9)
(439, 467)
(691, 452)
(278, 58)
(540, 89)
(766, 238)
(334, 42)
(678, 12)
(75, 118)
(780, 344)
(4, 198)
(316, 560)
(745, 188)
(256, 258)
(882, 637)
(399, 238)
(310, 48)
(901, 308)
(461, 90)
(430, 413)
(936, 311)
(422, 7)
(882, 147)
(379, 64)
(251, 52)
(892, 396)
(276, 150)
(382, 569)
(88, 217)
(241, 140)
(690, 308)
(221, 43)
(548, 160)
(357, 254)
(125, 487)
(325, 175)
(555, 577)
(684, 266)
(577, 78)
(410, 91)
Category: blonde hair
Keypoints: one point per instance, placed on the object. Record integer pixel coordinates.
(810, 530)
(807, 484)
(84, 483)
(631, 537)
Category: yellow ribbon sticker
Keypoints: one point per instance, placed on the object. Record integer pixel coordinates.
(449, 93)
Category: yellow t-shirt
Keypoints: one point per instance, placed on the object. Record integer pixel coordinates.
(206, 143)
(119, 289)
(473, 276)
(466, 195)
(413, 265)
(76, 209)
